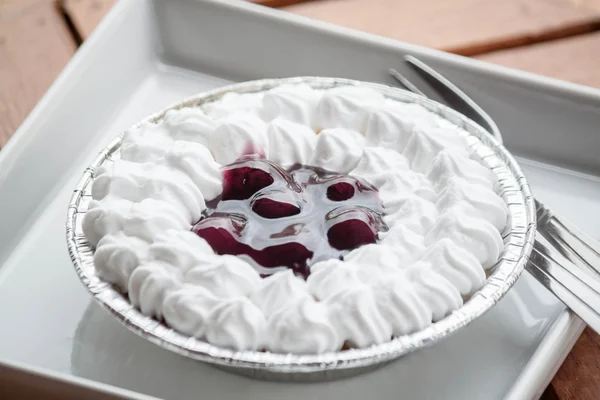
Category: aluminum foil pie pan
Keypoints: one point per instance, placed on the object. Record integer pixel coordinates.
(519, 236)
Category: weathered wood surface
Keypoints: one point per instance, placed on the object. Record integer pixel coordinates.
(465, 27)
(35, 45)
(575, 59)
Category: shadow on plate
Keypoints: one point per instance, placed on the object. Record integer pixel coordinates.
(479, 361)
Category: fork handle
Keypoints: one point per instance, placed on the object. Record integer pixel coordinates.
(567, 262)
(566, 296)
(574, 244)
(574, 287)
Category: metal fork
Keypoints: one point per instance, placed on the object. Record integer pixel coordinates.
(564, 259)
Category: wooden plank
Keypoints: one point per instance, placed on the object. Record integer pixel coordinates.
(35, 45)
(589, 3)
(579, 376)
(465, 27)
(85, 15)
(11, 5)
(575, 59)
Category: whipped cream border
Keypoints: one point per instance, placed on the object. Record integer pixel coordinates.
(522, 219)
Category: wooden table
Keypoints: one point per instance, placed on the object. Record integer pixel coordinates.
(557, 38)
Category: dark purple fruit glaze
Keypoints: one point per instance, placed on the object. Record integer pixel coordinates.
(289, 218)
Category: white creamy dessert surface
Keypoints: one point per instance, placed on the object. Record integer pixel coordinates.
(442, 209)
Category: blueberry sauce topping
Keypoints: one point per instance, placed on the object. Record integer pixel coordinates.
(340, 191)
(280, 218)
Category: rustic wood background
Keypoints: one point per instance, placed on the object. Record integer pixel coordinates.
(557, 38)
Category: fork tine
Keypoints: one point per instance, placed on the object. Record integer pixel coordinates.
(405, 82)
(568, 240)
(538, 269)
(588, 277)
(454, 96)
(570, 284)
